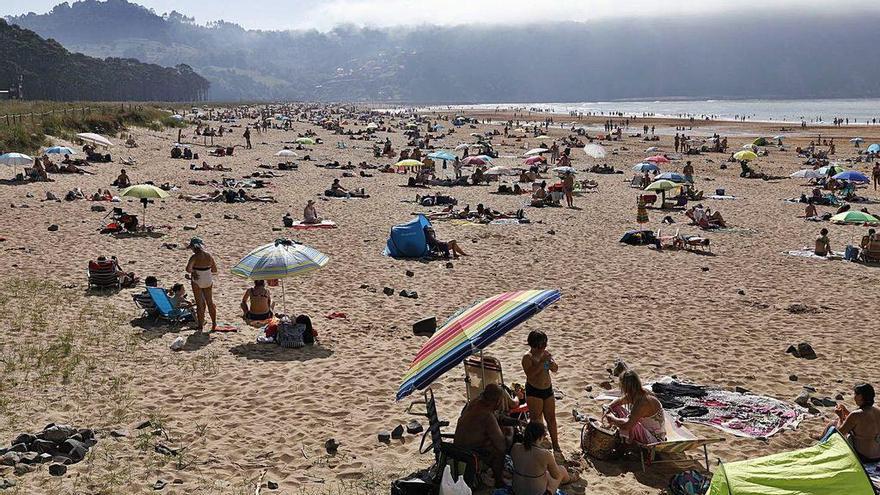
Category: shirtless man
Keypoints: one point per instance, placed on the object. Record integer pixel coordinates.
(568, 189)
(478, 429)
(862, 426)
(823, 245)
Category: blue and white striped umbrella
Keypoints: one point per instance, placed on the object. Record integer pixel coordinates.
(60, 150)
(280, 259)
(442, 155)
(15, 159)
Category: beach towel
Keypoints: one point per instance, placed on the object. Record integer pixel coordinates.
(325, 224)
(226, 327)
(505, 221)
(809, 253)
(721, 197)
(873, 470)
(741, 415)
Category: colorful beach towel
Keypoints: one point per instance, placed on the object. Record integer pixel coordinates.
(325, 224)
(741, 415)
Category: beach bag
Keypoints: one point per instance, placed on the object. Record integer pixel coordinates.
(690, 482)
(851, 253)
(290, 334)
(599, 442)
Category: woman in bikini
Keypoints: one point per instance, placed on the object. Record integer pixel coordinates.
(201, 269)
(535, 471)
(537, 364)
(257, 302)
(638, 414)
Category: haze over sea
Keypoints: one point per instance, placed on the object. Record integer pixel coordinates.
(857, 111)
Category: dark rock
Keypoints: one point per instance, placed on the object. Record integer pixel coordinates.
(271, 485)
(53, 227)
(551, 232)
(704, 268)
(41, 445)
(793, 351)
(44, 458)
(414, 427)
(198, 215)
(5, 483)
(74, 449)
(449, 264)
(145, 424)
(409, 293)
(98, 208)
(588, 388)
(803, 399)
(76, 437)
(741, 292)
(57, 433)
(806, 351)
(119, 433)
(793, 378)
(385, 437)
(19, 447)
(827, 402)
(410, 273)
(165, 450)
(397, 432)
(741, 390)
(10, 459)
(839, 396)
(606, 385)
(61, 459)
(159, 484)
(22, 469)
(29, 458)
(812, 410)
(25, 438)
(331, 446)
(388, 291)
(57, 469)
(816, 401)
(87, 433)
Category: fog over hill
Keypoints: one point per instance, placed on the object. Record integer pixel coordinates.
(763, 54)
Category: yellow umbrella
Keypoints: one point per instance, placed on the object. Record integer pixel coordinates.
(745, 155)
(662, 185)
(145, 192)
(409, 163)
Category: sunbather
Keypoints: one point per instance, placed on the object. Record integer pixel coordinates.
(478, 429)
(442, 247)
(638, 413)
(257, 302)
(310, 213)
(823, 246)
(122, 180)
(217, 195)
(535, 470)
(862, 426)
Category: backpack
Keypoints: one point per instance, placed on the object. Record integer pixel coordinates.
(690, 482)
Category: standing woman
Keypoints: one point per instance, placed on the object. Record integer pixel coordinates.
(537, 364)
(201, 268)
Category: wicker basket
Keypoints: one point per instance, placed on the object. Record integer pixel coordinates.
(599, 442)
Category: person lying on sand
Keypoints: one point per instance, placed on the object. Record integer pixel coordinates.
(104, 195)
(478, 428)
(217, 195)
(442, 247)
(257, 302)
(72, 169)
(862, 426)
(310, 213)
(205, 167)
(245, 196)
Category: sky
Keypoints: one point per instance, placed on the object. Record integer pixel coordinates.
(325, 14)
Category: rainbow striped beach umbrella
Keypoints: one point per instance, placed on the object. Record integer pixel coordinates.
(470, 331)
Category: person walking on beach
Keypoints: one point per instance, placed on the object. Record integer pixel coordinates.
(247, 138)
(876, 174)
(201, 269)
(537, 365)
(568, 189)
(676, 142)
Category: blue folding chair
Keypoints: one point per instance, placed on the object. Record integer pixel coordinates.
(164, 308)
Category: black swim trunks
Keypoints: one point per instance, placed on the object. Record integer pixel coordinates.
(538, 393)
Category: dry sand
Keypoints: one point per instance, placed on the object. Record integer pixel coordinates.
(240, 408)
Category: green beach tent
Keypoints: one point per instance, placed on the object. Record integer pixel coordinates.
(827, 468)
(761, 141)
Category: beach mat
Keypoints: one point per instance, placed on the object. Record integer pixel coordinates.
(808, 253)
(226, 327)
(325, 224)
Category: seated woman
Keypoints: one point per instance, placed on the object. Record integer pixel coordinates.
(823, 245)
(810, 211)
(535, 471)
(437, 246)
(638, 413)
(862, 426)
(38, 173)
(540, 197)
(257, 303)
(310, 213)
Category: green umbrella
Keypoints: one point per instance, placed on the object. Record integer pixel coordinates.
(857, 217)
(144, 192)
(308, 141)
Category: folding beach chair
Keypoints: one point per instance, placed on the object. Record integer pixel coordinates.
(102, 275)
(679, 440)
(164, 309)
(462, 462)
(481, 370)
